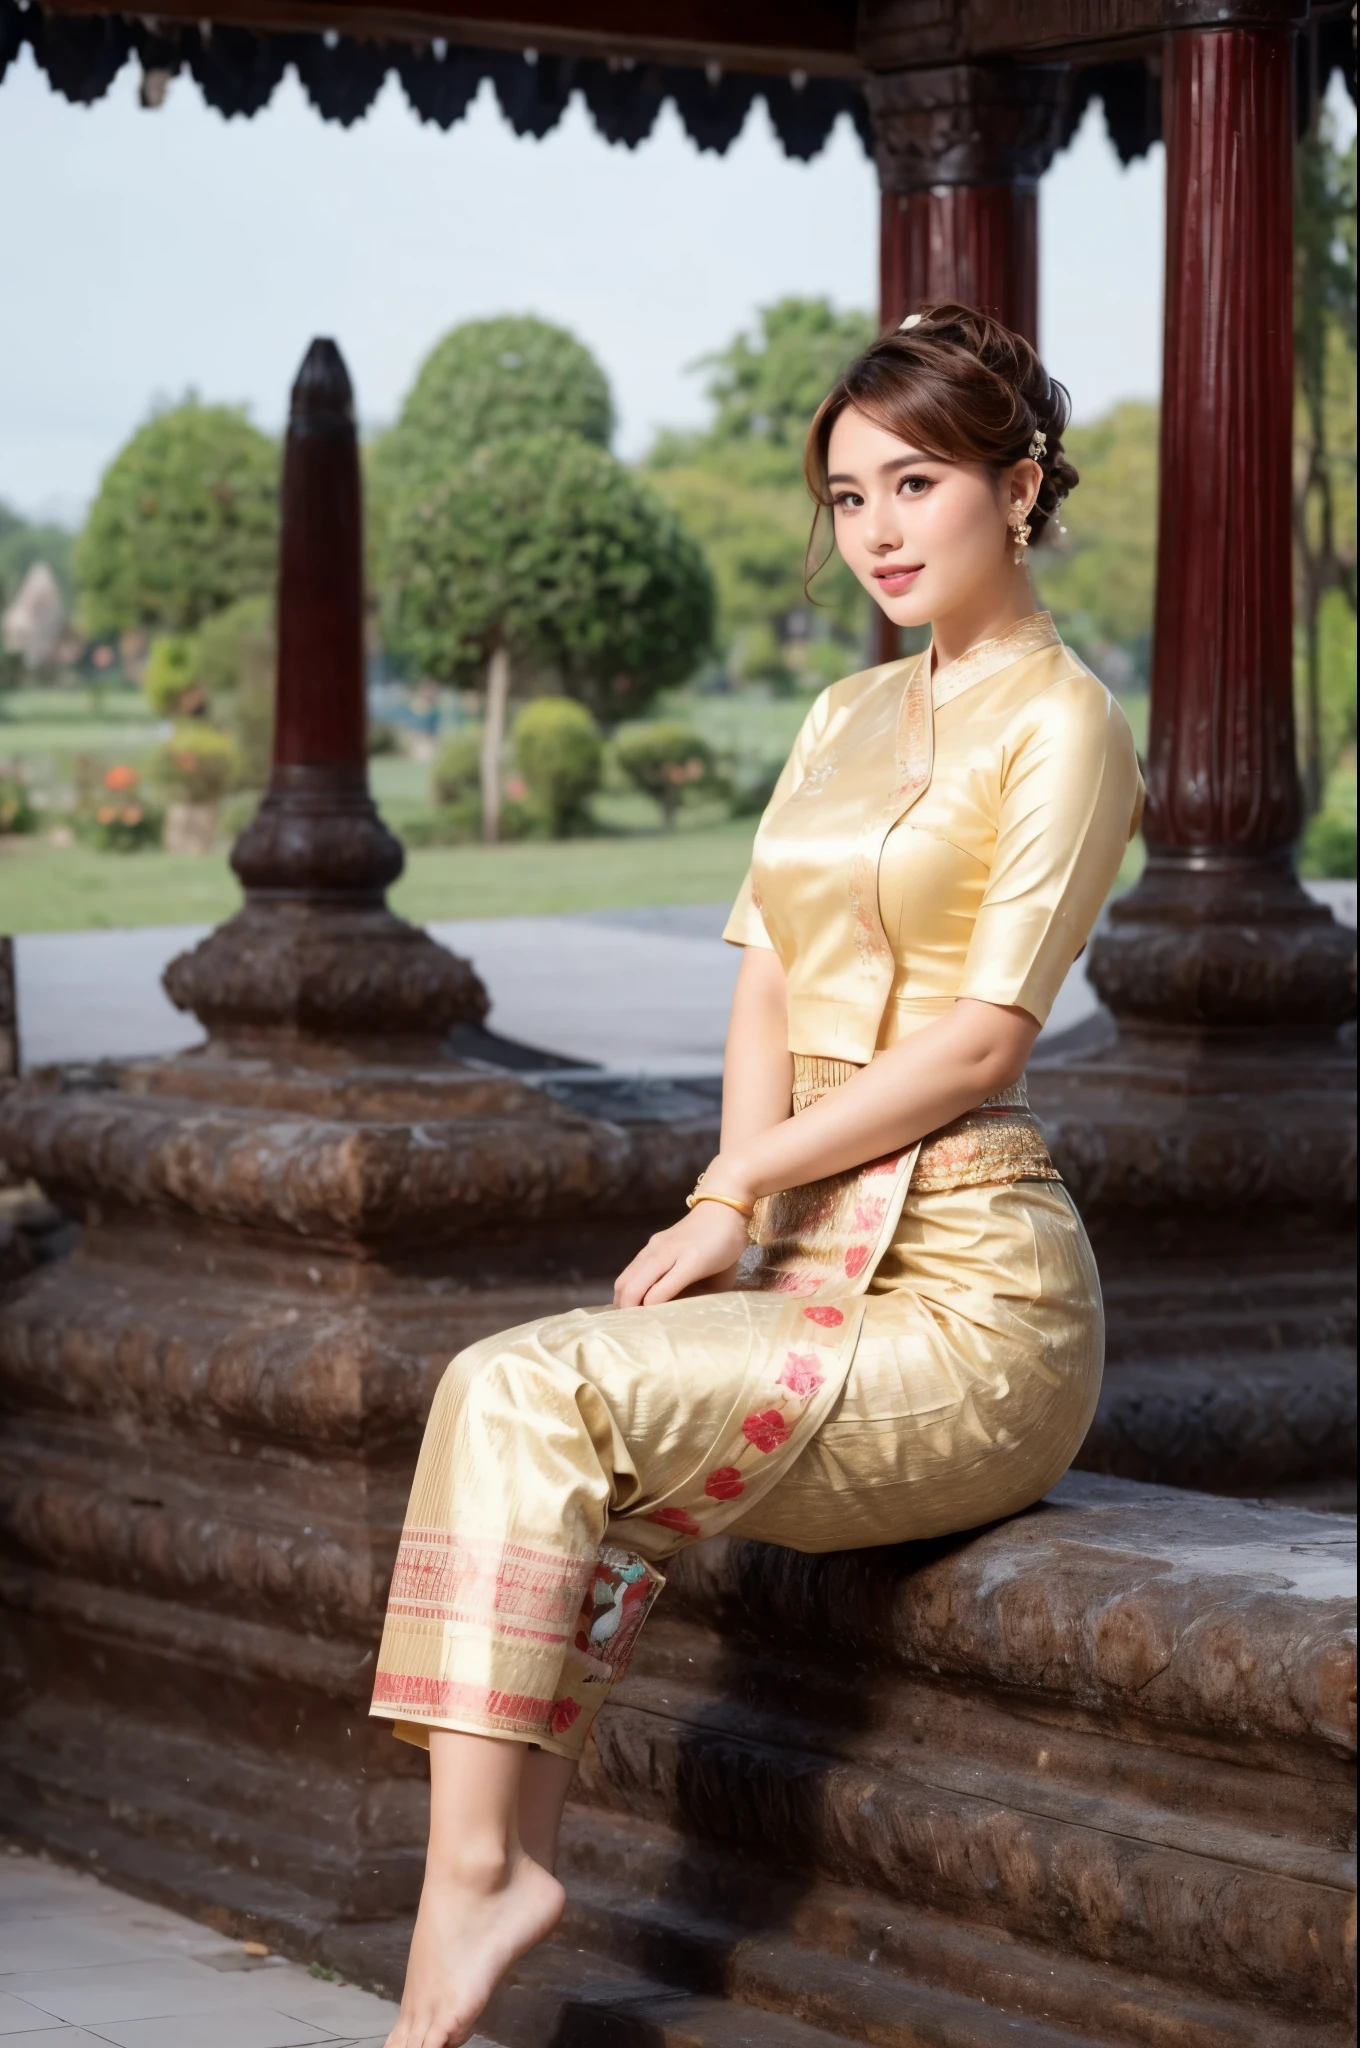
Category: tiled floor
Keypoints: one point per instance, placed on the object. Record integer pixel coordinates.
(84, 1966)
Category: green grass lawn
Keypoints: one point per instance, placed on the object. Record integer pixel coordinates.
(47, 888)
(633, 862)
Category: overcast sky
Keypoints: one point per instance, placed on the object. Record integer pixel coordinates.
(146, 254)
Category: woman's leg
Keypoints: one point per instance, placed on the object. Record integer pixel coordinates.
(543, 1792)
(486, 1901)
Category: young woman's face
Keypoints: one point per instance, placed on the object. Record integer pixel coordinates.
(925, 537)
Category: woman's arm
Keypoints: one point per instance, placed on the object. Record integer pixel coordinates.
(904, 1093)
(757, 1065)
(757, 1098)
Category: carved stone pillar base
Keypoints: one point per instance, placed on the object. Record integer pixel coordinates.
(344, 972)
(1224, 944)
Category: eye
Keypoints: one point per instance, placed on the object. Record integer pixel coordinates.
(915, 486)
(846, 501)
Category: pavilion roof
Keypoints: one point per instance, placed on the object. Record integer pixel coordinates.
(626, 58)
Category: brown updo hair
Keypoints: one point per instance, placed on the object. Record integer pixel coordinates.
(961, 387)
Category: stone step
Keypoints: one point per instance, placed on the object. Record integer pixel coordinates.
(869, 1965)
(1245, 1423)
(1219, 1918)
(566, 1999)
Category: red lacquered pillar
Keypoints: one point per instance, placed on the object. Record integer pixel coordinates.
(960, 150)
(1219, 934)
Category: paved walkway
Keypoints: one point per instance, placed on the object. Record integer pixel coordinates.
(644, 991)
(83, 1966)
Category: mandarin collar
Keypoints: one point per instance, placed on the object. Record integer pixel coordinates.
(1026, 636)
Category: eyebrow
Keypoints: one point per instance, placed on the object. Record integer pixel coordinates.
(841, 476)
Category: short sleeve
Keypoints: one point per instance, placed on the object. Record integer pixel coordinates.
(745, 926)
(1071, 800)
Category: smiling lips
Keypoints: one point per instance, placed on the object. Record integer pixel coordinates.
(895, 578)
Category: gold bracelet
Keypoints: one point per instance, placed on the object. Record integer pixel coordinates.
(703, 1194)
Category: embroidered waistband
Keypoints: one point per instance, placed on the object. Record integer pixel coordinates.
(998, 1141)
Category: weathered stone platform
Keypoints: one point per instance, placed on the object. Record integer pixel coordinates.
(1086, 1776)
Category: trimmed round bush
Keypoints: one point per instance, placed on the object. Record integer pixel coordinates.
(667, 761)
(170, 682)
(458, 766)
(560, 753)
(197, 765)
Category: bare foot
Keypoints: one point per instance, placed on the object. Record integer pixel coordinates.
(469, 1930)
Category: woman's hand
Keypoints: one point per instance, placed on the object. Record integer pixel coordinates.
(706, 1244)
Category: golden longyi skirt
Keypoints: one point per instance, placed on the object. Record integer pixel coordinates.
(940, 1376)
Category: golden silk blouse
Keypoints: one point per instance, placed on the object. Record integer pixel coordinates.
(928, 841)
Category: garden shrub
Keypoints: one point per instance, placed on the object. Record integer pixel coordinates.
(560, 753)
(1329, 847)
(460, 823)
(668, 761)
(197, 765)
(171, 684)
(236, 661)
(458, 766)
(16, 805)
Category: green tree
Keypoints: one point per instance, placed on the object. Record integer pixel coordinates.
(543, 552)
(1099, 578)
(738, 484)
(185, 521)
(482, 382)
(766, 387)
(1324, 433)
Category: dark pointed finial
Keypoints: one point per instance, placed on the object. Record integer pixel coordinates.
(322, 387)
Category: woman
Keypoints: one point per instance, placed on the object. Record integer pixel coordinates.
(913, 1345)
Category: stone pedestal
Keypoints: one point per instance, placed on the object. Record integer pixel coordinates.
(213, 1405)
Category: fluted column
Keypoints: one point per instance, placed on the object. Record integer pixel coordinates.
(1219, 934)
(960, 150)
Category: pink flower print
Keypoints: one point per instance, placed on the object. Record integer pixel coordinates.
(797, 1283)
(830, 1318)
(676, 1518)
(766, 1432)
(801, 1375)
(889, 1164)
(856, 1259)
(869, 1215)
(564, 1713)
(726, 1483)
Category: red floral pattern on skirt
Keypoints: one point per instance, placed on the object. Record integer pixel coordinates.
(725, 1483)
(766, 1431)
(802, 1374)
(676, 1518)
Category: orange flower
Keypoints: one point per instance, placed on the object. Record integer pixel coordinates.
(121, 778)
(106, 814)
(133, 815)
